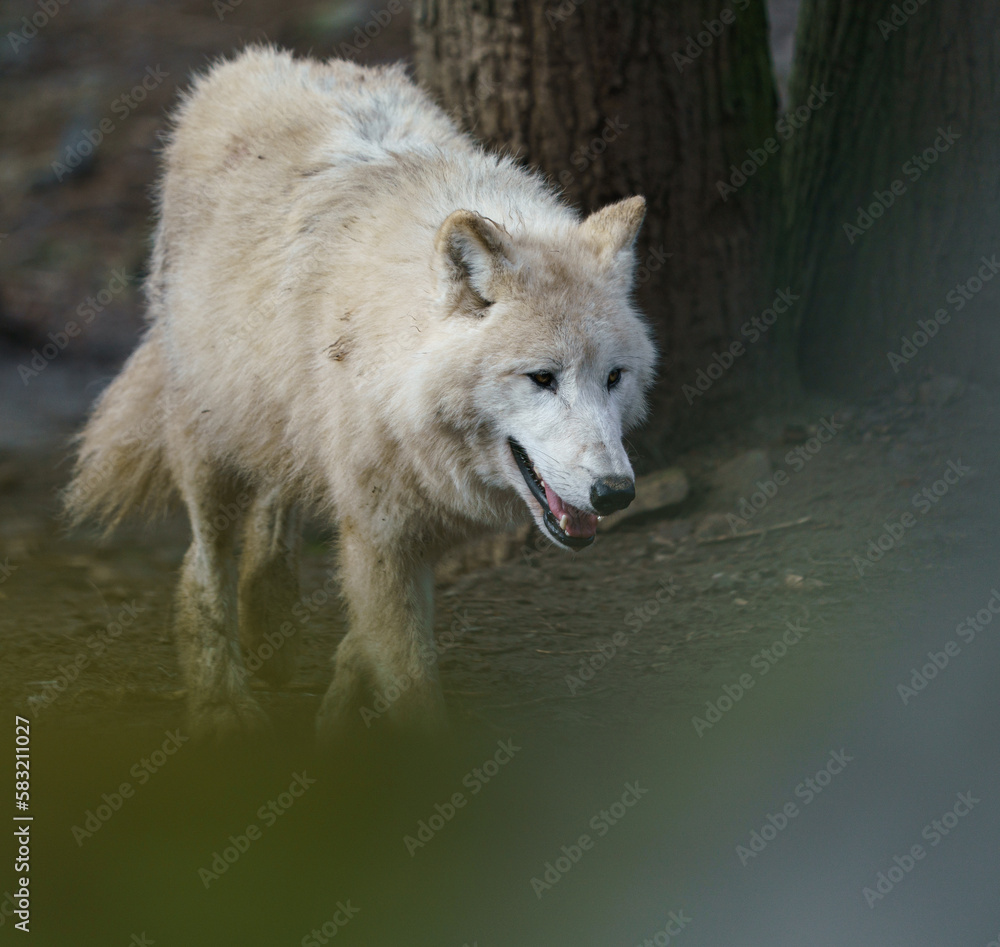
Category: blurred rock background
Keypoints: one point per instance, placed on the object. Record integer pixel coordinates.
(78, 150)
(79, 133)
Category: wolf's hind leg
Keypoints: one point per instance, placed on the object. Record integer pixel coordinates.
(269, 587)
(219, 701)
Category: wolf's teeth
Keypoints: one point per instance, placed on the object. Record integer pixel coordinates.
(534, 470)
(563, 522)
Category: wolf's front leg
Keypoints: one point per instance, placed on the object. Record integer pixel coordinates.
(386, 673)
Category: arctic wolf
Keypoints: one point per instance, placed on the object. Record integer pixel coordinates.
(355, 309)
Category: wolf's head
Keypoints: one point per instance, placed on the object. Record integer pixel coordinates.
(558, 358)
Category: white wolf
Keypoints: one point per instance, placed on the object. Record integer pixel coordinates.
(354, 308)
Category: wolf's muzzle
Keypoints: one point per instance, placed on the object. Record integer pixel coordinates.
(610, 494)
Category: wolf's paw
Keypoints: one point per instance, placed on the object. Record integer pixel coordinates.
(348, 719)
(336, 727)
(229, 721)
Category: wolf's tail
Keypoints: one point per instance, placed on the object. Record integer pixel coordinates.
(121, 463)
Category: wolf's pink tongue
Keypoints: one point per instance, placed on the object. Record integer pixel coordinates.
(578, 523)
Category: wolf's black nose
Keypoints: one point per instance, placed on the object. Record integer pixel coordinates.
(610, 494)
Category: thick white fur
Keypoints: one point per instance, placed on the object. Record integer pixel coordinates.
(347, 296)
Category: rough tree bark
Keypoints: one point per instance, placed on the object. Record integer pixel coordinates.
(616, 97)
(892, 191)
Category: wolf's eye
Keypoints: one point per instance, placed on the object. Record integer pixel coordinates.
(614, 376)
(543, 379)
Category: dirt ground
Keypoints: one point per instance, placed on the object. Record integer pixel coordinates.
(683, 587)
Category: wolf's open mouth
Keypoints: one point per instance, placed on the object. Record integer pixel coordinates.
(568, 525)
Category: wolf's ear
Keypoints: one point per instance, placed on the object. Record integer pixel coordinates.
(612, 231)
(474, 254)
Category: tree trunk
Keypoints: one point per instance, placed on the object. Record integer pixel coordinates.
(891, 191)
(611, 98)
